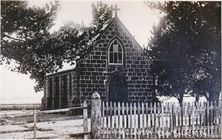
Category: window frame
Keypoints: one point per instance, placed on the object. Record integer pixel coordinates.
(109, 52)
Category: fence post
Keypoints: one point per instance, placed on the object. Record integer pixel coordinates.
(220, 105)
(34, 120)
(85, 120)
(95, 115)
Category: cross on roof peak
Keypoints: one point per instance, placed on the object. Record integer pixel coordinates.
(115, 9)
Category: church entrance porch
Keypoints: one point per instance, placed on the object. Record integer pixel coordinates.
(117, 88)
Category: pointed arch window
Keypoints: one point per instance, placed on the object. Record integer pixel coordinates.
(115, 53)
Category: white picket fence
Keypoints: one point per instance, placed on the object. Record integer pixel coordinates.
(156, 120)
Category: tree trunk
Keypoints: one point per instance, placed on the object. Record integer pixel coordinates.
(180, 99)
(197, 97)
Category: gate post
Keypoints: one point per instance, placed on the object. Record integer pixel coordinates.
(95, 115)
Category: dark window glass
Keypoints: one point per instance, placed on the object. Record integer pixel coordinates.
(115, 57)
(120, 57)
(111, 48)
(111, 58)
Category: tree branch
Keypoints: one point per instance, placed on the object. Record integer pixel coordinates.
(4, 35)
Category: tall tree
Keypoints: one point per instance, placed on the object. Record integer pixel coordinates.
(22, 31)
(185, 48)
(26, 38)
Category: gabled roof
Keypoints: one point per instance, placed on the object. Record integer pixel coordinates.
(66, 66)
(106, 26)
(96, 40)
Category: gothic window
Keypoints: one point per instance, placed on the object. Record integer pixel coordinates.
(115, 53)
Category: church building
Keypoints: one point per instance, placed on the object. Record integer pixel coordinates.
(116, 67)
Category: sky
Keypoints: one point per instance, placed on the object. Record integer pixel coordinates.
(135, 15)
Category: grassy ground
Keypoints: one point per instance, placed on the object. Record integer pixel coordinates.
(19, 125)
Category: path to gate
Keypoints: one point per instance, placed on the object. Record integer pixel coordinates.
(154, 120)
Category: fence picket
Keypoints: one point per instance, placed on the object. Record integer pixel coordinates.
(124, 115)
(111, 114)
(208, 119)
(164, 119)
(114, 118)
(139, 120)
(146, 111)
(188, 119)
(158, 120)
(152, 127)
(204, 120)
(102, 119)
(143, 120)
(107, 122)
(118, 125)
(131, 120)
(127, 116)
(166, 111)
(185, 119)
(192, 119)
(179, 120)
(197, 119)
(217, 118)
(212, 119)
(103, 116)
(135, 120)
(123, 121)
(155, 120)
(171, 120)
(200, 120)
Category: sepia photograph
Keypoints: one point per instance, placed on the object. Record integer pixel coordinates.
(121, 69)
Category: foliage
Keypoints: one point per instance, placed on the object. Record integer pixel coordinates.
(101, 14)
(22, 30)
(26, 38)
(185, 48)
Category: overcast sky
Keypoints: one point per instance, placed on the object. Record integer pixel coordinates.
(136, 16)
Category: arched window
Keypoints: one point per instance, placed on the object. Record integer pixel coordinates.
(115, 53)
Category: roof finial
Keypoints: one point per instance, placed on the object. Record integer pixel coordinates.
(115, 10)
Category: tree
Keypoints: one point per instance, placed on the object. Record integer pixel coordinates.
(102, 13)
(26, 38)
(185, 48)
(22, 30)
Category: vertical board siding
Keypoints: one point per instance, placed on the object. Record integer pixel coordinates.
(157, 120)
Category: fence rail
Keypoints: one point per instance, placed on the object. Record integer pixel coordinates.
(19, 106)
(156, 120)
